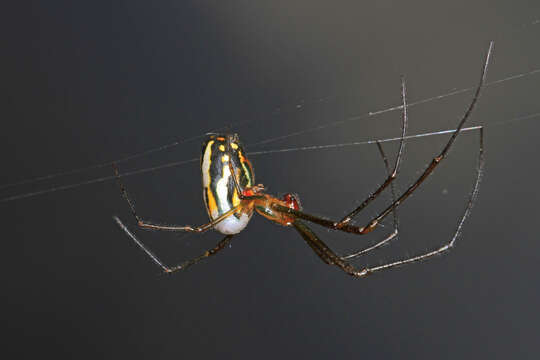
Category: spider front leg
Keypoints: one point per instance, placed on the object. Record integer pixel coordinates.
(439, 158)
(391, 175)
(153, 226)
(457, 233)
(329, 257)
(394, 213)
(170, 269)
(343, 225)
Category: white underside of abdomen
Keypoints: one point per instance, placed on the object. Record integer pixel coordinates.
(233, 225)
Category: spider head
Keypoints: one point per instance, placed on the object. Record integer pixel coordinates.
(292, 201)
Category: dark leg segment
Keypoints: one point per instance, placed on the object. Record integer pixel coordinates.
(457, 233)
(391, 175)
(321, 249)
(394, 213)
(436, 161)
(329, 257)
(181, 266)
(343, 224)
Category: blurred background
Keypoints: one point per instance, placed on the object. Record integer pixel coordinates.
(87, 83)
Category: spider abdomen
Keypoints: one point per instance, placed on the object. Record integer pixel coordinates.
(219, 191)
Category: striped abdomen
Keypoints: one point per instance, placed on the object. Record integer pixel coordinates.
(220, 194)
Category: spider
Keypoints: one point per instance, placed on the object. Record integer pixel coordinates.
(231, 197)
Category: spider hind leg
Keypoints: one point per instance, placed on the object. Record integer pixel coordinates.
(184, 265)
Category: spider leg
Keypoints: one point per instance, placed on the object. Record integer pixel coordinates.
(170, 269)
(153, 226)
(457, 233)
(428, 171)
(329, 257)
(394, 213)
(436, 160)
(343, 224)
(391, 175)
(239, 189)
(324, 252)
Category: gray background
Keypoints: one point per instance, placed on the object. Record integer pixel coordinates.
(87, 83)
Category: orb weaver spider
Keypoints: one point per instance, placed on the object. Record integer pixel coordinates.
(231, 197)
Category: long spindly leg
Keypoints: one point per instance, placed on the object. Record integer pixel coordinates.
(170, 269)
(457, 233)
(343, 223)
(321, 249)
(329, 257)
(437, 160)
(391, 174)
(153, 226)
(428, 171)
(394, 213)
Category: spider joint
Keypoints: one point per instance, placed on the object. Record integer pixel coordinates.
(362, 273)
(342, 223)
(370, 227)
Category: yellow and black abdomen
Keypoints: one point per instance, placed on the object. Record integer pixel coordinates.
(219, 192)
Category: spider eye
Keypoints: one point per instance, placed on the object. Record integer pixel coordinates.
(292, 201)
